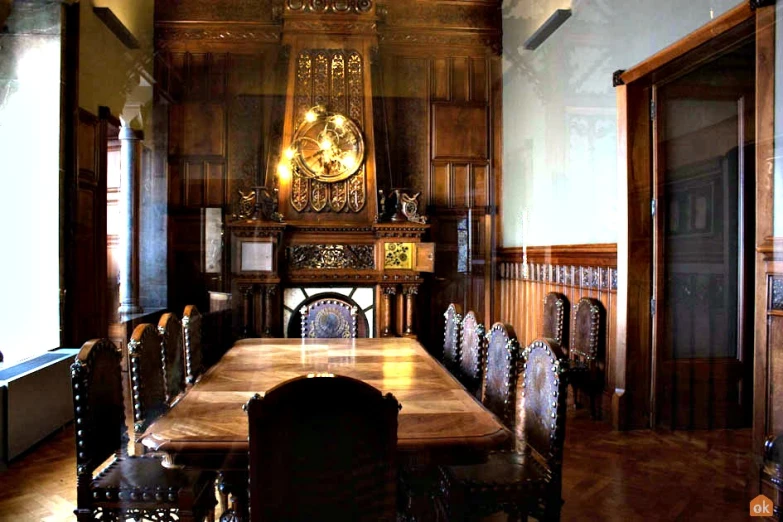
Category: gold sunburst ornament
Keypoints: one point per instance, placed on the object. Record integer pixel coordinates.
(327, 147)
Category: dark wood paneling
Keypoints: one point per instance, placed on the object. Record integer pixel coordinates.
(461, 192)
(213, 10)
(204, 129)
(460, 79)
(88, 317)
(460, 131)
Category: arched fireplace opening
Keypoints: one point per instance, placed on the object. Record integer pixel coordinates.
(356, 297)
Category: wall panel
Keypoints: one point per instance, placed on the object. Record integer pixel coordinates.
(574, 270)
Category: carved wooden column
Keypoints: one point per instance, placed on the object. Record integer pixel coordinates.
(410, 291)
(246, 291)
(386, 323)
(269, 309)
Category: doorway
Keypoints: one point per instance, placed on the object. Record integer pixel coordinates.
(703, 155)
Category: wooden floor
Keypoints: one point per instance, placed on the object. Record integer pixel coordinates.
(608, 476)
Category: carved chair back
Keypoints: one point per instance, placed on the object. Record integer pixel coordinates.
(541, 401)
(331, 455)
(588, 340)
(556, 318)
(473, 350)
(451, 337)
(500, 380)
(170, 330)
(147, 378)
(99, 411)
(329, 319)
(194, 357)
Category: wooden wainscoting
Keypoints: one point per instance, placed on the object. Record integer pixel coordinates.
(574, 270)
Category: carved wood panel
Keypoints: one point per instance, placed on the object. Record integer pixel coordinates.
(333, 78)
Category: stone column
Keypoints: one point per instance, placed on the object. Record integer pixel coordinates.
(130, 150)
(386, 324)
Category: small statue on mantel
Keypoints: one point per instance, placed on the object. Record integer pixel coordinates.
(246, 206)
(398, 207)
(267, 203)
(262, 200)
(410, 208)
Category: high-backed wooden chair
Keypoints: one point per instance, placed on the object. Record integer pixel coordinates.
(451, 337)
(329, 319)
(526, 481)
(170, 330)
(772, 474)
(194, 357)
(128, 486)
(557, 310)
(500, 379)
(473, 351)
(322, 447)
(587, 353)
(148, 381)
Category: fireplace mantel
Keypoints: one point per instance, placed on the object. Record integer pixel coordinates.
(268, 257)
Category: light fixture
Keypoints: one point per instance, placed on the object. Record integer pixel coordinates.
(547, 28)
(326, 146)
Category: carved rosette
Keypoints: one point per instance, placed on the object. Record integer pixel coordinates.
(329, 6)
(333, 78)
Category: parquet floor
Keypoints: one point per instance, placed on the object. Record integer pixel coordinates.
(608, 476)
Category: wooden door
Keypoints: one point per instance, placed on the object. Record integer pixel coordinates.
(86, 293)
(703, 155)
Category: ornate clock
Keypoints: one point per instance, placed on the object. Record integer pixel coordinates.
(327, 146)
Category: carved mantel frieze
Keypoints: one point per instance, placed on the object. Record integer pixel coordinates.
(329, 6)
(331, 257)
(217, 32)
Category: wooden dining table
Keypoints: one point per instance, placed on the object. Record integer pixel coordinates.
(440, 421)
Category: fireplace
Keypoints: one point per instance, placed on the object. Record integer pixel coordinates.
(362, 297)
(313, 224)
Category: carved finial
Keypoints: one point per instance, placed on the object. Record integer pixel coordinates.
(617, 79)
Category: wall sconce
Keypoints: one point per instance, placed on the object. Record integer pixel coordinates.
(327, 147)
(547, 28)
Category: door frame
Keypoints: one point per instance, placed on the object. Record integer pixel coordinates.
(631, 400)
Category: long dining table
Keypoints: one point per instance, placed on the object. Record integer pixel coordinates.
(440, 421)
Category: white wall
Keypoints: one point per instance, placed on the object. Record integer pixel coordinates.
(559, 109)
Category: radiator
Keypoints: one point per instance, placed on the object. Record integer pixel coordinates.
(35, 400)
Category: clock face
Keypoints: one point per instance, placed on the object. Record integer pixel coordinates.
(329, 147)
